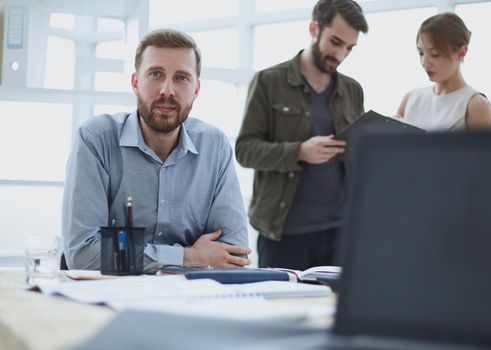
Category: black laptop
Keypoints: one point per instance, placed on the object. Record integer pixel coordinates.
(417, 249)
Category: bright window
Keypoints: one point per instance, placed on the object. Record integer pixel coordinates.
(164, 13)
(35, 140)
(60, 63)
(28, 210)
(476, 64)
(117, 82)
(293, 36)
(110, 25)
(219, 48)
(62, 21)
(283, 5)
(219, 104)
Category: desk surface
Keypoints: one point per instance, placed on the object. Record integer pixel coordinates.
(31, 320)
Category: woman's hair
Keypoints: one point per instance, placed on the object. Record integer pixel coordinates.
(168, 38)
(446, 31)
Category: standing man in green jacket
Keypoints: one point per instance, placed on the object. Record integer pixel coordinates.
(292, 111)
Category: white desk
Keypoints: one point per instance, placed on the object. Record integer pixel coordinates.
(31, 320)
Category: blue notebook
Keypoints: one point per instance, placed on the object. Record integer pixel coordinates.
(238, 275)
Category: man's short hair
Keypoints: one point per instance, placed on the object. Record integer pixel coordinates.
(325, 10)
(168, 38)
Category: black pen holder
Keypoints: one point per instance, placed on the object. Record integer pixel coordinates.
(122, 250)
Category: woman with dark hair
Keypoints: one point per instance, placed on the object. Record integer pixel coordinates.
(450, 104)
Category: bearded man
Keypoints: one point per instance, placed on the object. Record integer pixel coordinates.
(292, 111)
(179, 171)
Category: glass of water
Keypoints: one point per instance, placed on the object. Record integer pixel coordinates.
(43, 255)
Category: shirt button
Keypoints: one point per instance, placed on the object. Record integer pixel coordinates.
(286, 109)
(291, 174)
(160, 234)
(282, 205)
(162, 202)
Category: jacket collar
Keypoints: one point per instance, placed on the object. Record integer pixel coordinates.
(295, 77)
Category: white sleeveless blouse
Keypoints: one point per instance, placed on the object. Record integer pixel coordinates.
(433, 112)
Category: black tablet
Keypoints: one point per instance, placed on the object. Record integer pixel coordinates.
(374, 122)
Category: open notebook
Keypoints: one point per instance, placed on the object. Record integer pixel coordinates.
(313, 274)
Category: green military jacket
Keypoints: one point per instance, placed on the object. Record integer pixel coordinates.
(276, 121)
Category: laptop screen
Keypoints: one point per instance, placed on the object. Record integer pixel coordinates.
(417, 244)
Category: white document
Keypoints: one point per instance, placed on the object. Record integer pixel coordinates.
(200, 297)
(282, 289)
(119, 291)
(245, 308)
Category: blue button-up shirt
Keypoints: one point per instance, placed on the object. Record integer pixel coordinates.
(194, 191)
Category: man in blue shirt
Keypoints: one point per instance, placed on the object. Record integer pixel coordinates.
(179, 171)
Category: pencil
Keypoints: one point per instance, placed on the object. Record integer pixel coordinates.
(129, 212)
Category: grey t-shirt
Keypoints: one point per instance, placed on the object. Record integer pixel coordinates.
(321, 193)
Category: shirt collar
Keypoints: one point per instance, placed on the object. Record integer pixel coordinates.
(186, 144)
(131, 132)
(131, 136)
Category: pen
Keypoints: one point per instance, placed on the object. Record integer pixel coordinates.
(129, 212)
(123, 250)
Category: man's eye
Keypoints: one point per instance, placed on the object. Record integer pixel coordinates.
(155, 74)
(181, 77)
(336, 42)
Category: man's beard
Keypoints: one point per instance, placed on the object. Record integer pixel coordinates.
(160, 122)
(320, 61)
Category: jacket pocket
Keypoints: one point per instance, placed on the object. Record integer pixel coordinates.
(288, 121)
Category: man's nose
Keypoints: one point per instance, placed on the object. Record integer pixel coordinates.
(167, 88)
(340, 54)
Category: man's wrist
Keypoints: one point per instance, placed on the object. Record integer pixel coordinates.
(188, 257)
(300, 153)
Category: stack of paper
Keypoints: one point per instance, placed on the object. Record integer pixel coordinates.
(204, 297)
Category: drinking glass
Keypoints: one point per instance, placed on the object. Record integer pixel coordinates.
(43, 255)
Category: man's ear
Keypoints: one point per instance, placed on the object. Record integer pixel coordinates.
(198, 87)
(134, 82)
(314, 29)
